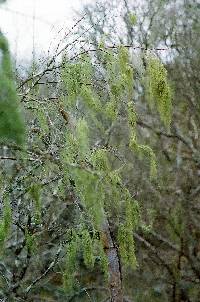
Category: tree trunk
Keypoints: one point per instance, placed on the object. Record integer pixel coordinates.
(115, 280)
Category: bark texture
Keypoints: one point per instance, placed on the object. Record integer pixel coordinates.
(115, 281)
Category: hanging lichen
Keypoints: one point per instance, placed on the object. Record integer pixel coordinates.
(6, 220)
(30, 241)
(142, 150)
(159, 92)
(91, 165)
(35, 193)
(90, 191)
(88, 249)
(100, 160)
(103, 258)
(70, 267)
(126, 229)
(76, 76)
(82, 138)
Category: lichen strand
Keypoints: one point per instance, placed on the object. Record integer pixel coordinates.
(6, 221)
(90, 191)
(120, 79)
(158, 89)
(143, 151)
(127, 246)
(88, 249)
(30, 242)
(76, 77)
(35, 194)
(82, 136)
(126, 229)
(70, 266)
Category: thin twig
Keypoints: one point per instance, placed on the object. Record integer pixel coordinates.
(49, 69)
(7, 158)
(27, 290)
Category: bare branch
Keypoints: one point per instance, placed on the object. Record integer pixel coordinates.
(53, 263)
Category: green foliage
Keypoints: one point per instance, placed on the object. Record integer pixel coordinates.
(158, 89)
(97, 183)
(12, 127)
(83, 168)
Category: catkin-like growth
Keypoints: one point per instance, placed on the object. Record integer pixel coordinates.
(125, 231)
(159, 92)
